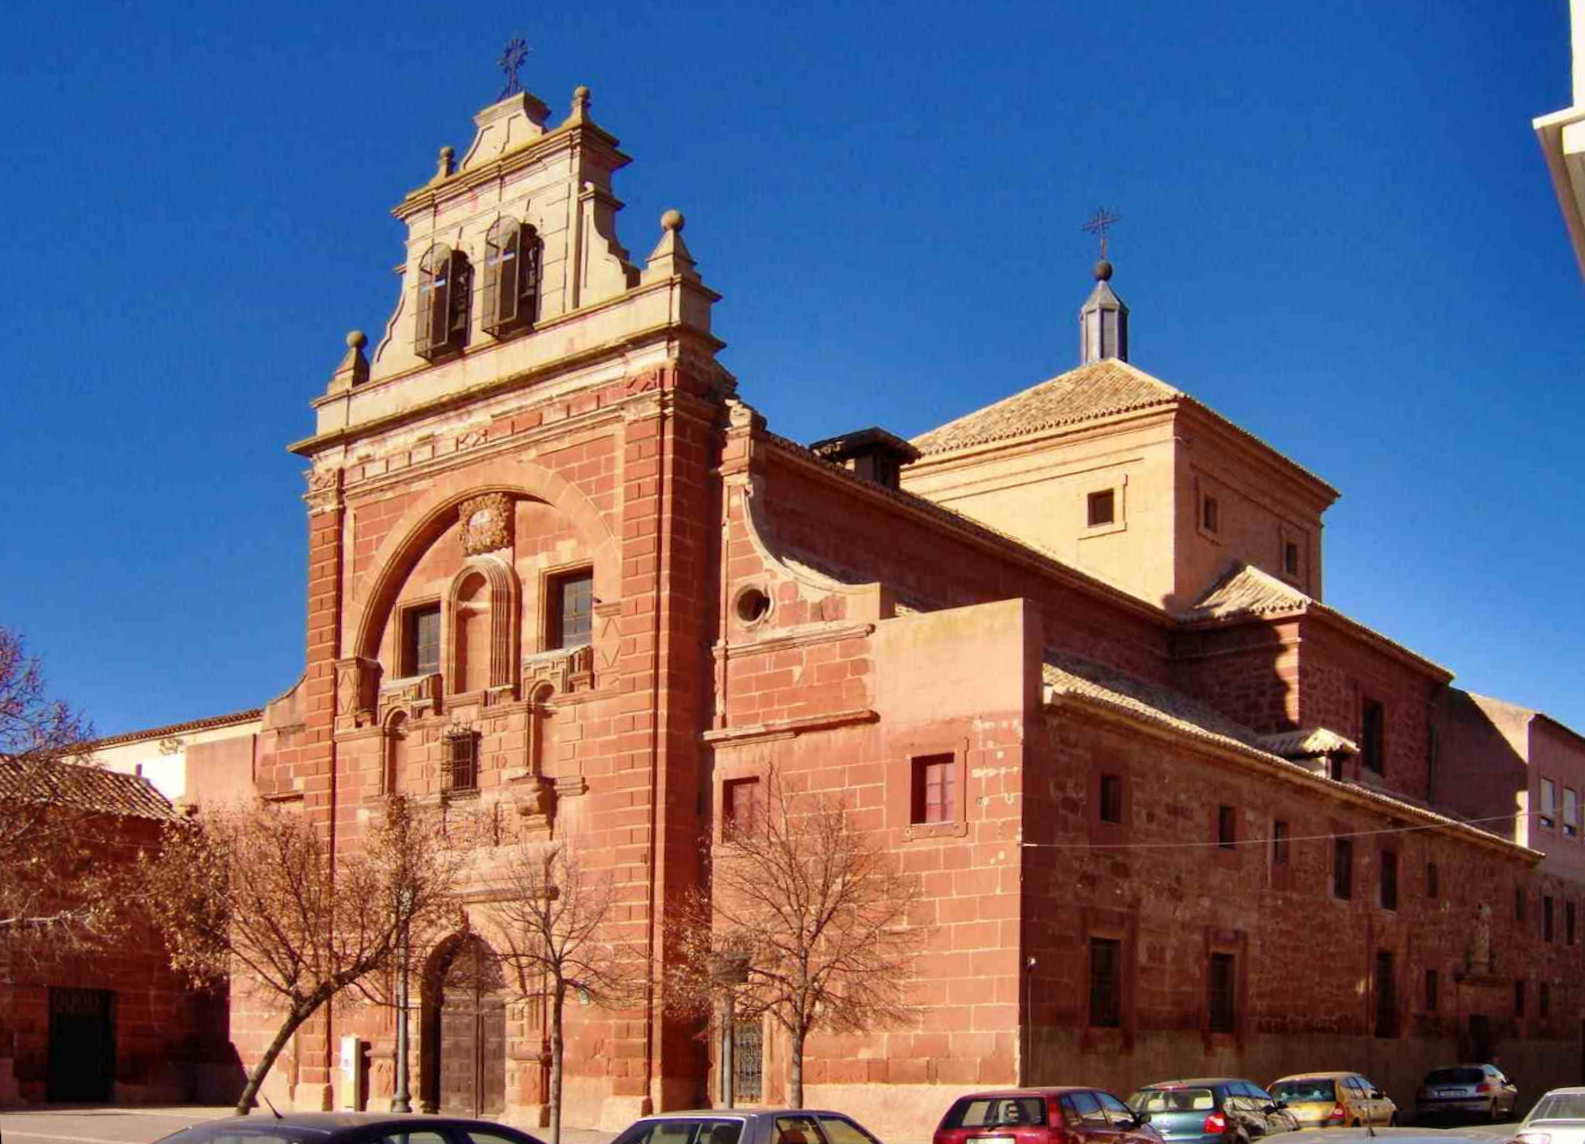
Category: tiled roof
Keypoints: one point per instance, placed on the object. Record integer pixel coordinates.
(1247, 591)
(1095, 389)
(1307, 743)
(82, 787)
(211, 722)
(1066, 674)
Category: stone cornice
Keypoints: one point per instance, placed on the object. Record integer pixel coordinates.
(789, 639)
(789, 728)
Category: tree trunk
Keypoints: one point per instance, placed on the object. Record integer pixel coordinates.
(558, 1001)
(795, 1081)
(250, 1091)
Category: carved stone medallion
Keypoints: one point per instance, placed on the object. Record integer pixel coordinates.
(486, 523)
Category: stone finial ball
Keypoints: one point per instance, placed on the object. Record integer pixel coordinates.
(356, 339)
(672, 220)
(580, 93)
(1103, 270)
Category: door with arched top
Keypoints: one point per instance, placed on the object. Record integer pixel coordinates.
(465, 1030)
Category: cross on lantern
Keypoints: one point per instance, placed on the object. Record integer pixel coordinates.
(511, 60)
(1103, 221)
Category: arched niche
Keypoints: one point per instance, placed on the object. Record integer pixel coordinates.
(483, 607)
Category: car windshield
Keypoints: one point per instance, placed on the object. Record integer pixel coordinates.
(1560, 1106)
(1454, 1076)
(682, 1131)
(996, 1112)
(1308, 1088)
(1154, 1100)
(265, 1132)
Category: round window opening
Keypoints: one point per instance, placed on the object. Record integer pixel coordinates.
(753, 605)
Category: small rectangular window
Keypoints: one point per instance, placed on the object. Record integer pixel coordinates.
(1389, 880)
(934, 789)
(571, 610)
(1570, 812)
(1111, 798)
(1518, 998)
(1279, 843)
(462, 761)
(1372, 736)
(1543, 999)
(1386, 996)
(1227, 827)
(1433, 881)
(739, 806)
(1102, 507)
(1570, 922)
(1221, 999)
(1431, 984)
(1546, 918)
(1342, 868)
(421, 640)
(1290, 558)
(1548, 804)
(1210, 515)
(1106, 956)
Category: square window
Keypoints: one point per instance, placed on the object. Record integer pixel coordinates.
(1222, 1014)
(1433, 881)
(1227, 827)
(1389, 880)
(1210, 514)
(1290, 557)
(1342, 868)
(1102, 508)
(421, 640)
(1386, 996)
(1106, 955)
(1279, 843)
(571, 610)
(739, 806)
(1431, 985)
(462, 761)
(1111, 798)
(1372, 730)
(1548, 804)
(935, 795)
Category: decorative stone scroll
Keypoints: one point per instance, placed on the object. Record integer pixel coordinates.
(486, 523)
(357, 692)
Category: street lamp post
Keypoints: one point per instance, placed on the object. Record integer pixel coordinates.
(402, 1101)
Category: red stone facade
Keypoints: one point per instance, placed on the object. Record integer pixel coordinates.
(754, 607)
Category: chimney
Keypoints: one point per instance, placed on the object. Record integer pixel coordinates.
(1103, 321)
(872, 453)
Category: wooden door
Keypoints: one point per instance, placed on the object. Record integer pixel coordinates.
(82, 1046)
(472, 1033)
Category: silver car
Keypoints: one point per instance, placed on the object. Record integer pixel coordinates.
(747, 1126)
(1466, 1090)
(1557, 1118)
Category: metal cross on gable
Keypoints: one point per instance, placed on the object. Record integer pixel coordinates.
(511, 60)
(1103, 221)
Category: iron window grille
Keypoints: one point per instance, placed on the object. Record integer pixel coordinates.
(462, 760)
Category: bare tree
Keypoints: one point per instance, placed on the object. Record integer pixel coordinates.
(556, 920)
(256, 889)
(53, 893)
(809, 919)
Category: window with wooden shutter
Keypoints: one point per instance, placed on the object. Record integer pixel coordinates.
(434, 301)
(934, 789)
(511, 276)
(462, 760)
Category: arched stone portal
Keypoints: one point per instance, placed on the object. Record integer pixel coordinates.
(463, 1032)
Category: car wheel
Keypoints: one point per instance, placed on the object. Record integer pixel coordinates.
(1494, 1117)
(1393, 1121)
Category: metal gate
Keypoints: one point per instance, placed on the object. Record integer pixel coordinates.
(472, 1033)
(748, 1071)
(82, 1047)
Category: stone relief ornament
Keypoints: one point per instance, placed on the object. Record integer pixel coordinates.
(486, 523)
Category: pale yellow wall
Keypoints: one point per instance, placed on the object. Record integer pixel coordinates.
(1038, 491)
(161, 757)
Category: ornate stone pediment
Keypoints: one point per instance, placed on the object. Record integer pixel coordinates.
(486, 523)
(415, 694)
(566, 669)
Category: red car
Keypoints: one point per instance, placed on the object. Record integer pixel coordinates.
(1044, 1116)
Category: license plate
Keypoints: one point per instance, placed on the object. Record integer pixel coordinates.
(992, 1140)
(1451, 1092)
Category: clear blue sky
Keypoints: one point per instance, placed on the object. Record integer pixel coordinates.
(1338, 231)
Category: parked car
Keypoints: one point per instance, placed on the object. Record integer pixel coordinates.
(747, 1126)
(347, 1128)
(1063, 1115)
(1212, 1110)
(1479, 1090)
(1557, 1118)
(1334, 1100)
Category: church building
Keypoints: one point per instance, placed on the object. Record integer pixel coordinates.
(1067, 656)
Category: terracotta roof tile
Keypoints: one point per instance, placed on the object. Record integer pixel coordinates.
(83, 787)
(1307, 743)
(1247, 591)
(1095, 389)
